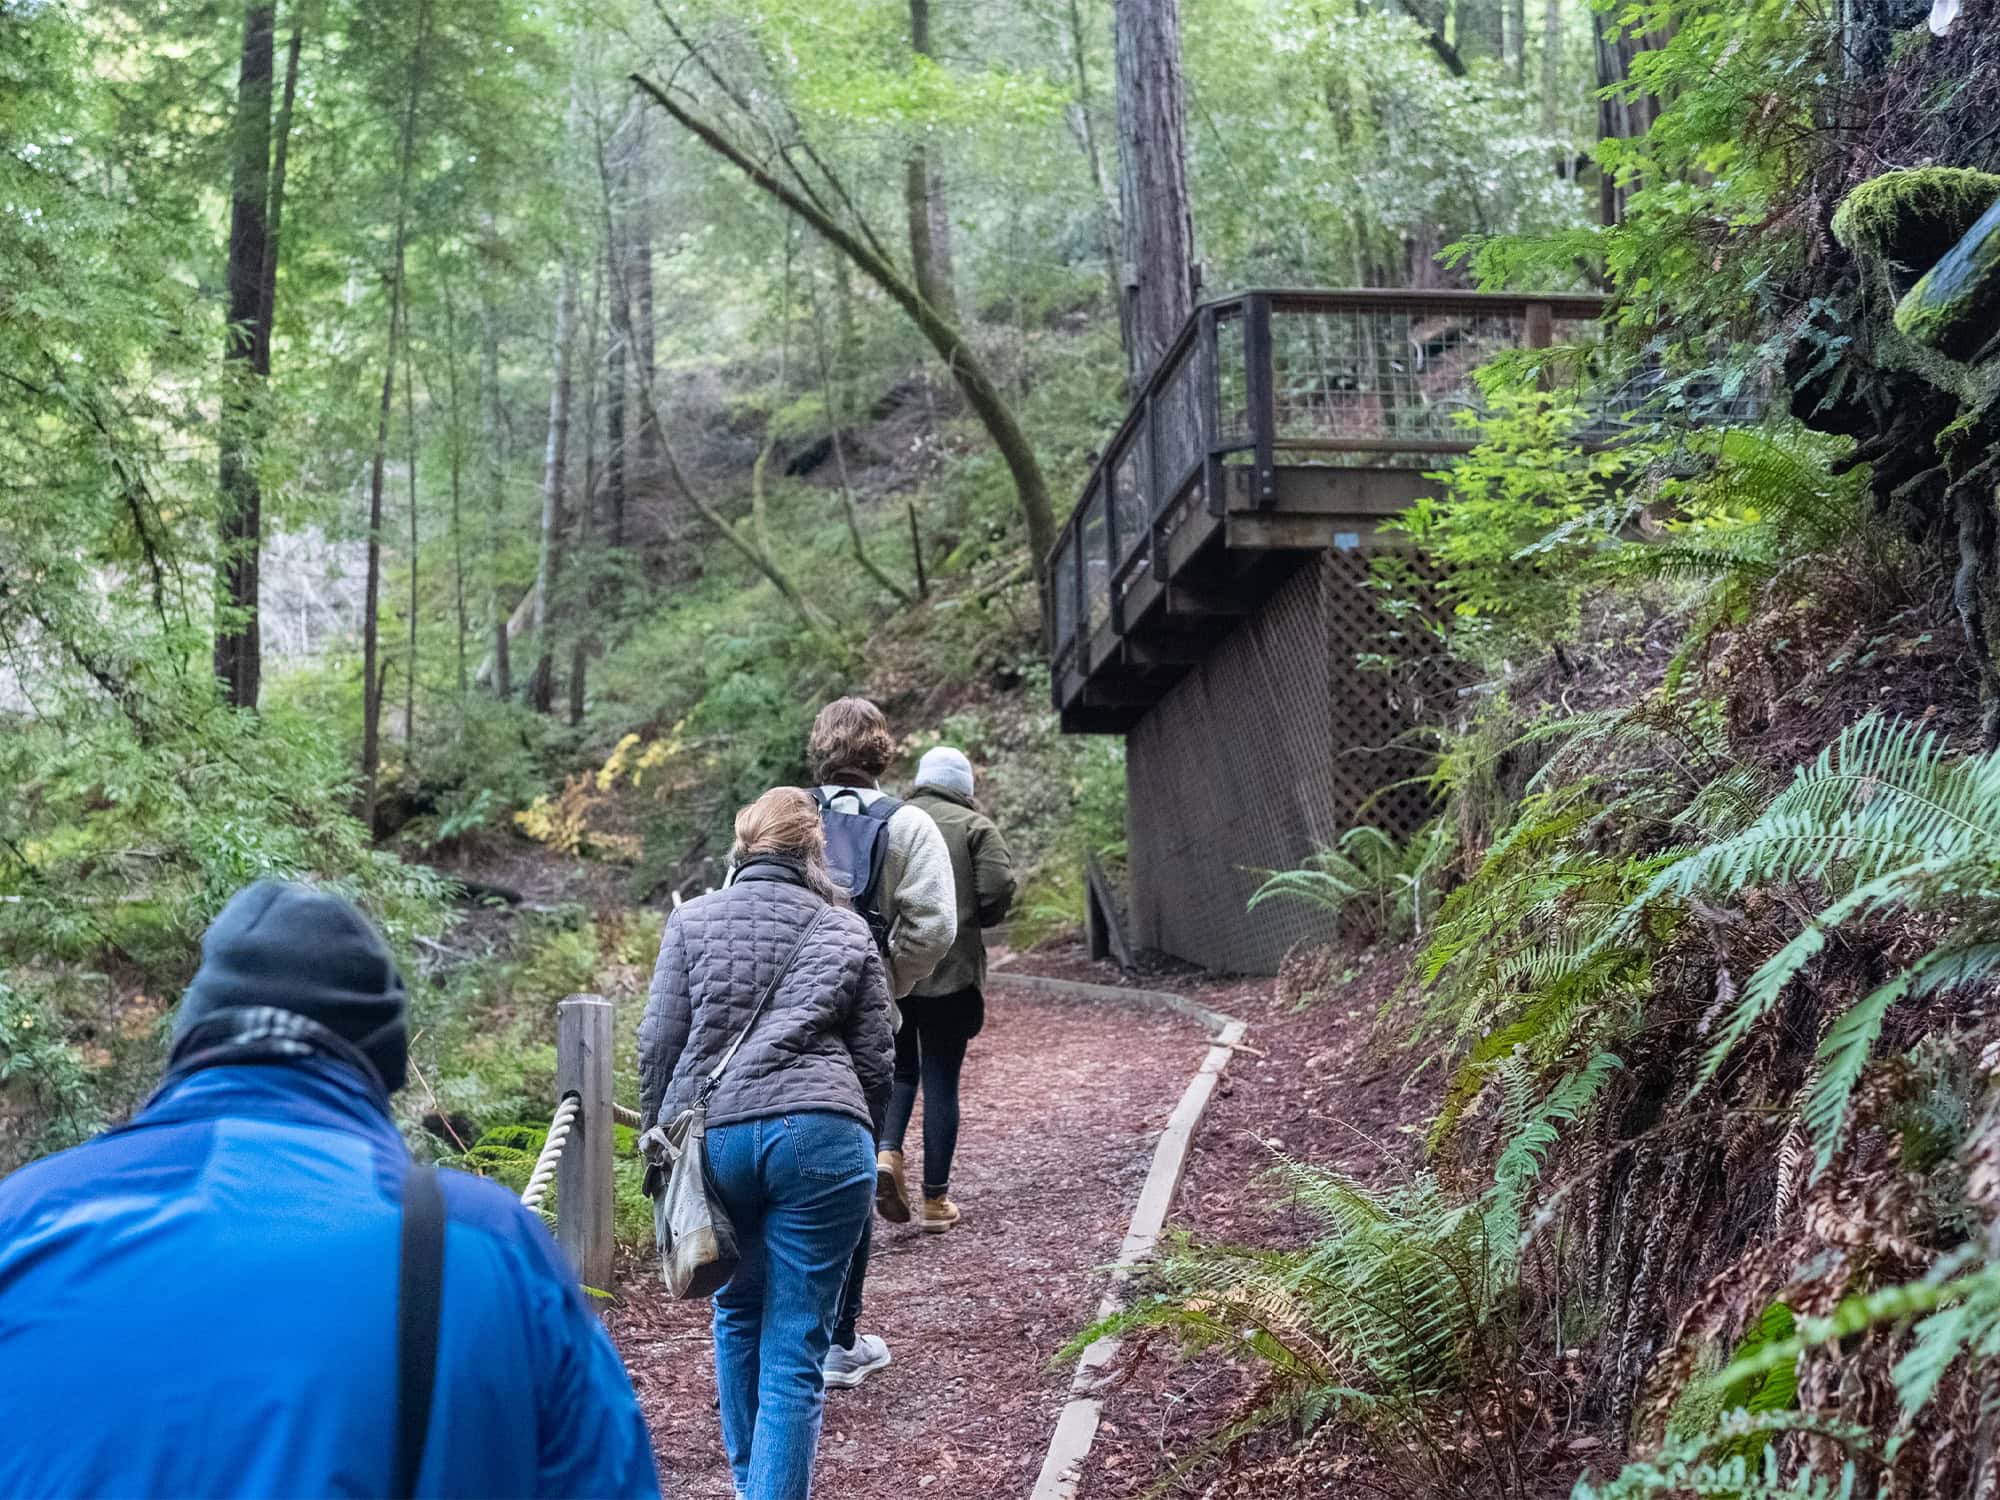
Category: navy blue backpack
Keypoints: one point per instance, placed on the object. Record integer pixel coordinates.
(857, 846)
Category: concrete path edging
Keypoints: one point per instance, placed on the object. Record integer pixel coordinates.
(1076, 1428)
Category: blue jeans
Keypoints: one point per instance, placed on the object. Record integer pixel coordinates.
(799, 1189)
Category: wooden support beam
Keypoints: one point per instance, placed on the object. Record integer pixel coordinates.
(583, 1175)
(1120, 692)
(1293, 533)
(1196, 602)
(1106, 929)
(1166, 649)
(1079, 720)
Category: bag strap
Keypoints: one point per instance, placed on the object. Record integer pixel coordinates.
(419, 1300)
(729, 1055)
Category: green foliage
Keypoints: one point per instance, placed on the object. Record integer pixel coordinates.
(1383, 891)
(1885, 820)
(1505, 526)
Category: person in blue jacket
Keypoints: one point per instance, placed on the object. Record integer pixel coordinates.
(205, 1301)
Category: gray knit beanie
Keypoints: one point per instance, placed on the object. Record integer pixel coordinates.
(946, 769)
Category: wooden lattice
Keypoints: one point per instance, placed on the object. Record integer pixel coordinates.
(1272, 747)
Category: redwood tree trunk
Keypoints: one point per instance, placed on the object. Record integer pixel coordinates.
(237, 644)
(1153, 190)
(1552, 108)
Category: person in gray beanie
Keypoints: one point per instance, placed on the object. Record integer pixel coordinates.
(946, 1011)
(251, 1289)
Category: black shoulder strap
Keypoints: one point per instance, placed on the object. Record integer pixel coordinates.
(419, 1300)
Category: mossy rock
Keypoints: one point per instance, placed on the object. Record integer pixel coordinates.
(1904, 222)
(1955, 307)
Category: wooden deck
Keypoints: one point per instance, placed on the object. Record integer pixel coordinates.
(1278, 425)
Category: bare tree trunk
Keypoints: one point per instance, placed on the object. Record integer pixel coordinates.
(586, 511)
(1552, 111)
(1514, 36)
(1082, 124)
(1153, 190)
(237, 646)
(410, 437)
(371, 616)
(618, 338)
(456, 452)
(541, 688)
(639, 309)
(923, 199)
(981, 394)
(493, 442)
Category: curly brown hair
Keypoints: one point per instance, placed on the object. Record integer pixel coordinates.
(850, 734)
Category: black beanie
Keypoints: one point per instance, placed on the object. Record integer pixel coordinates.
(297, 949)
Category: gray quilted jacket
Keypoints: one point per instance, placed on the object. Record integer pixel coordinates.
(823, 1043)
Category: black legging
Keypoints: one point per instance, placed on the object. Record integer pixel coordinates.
(930, 1049)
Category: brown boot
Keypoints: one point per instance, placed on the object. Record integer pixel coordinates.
(940, 1214)
(892, 1191)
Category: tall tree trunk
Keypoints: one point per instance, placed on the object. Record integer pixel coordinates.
(555, 459)
(924, 201)
(1552, 104)
(1083, 125)
(371, 609)
(1514, 36)
(639, 314)
(416, 552)
(1153, 190)
(586, 510)
(237, 645)
(492, 435)
(1620, 118)
(456, 452)
(618, 337)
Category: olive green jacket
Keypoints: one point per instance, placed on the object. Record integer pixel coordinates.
(982, 871)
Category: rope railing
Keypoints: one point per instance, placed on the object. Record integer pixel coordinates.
(624, 1116)
(551, 1153)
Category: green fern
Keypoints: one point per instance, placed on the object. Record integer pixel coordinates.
(1884, 820)
(1386, 890)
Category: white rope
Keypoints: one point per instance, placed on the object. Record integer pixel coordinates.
(552, 1149)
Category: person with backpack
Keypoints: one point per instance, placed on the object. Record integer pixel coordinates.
(945, 1011)
(892, 861)
(771, 1002)
(251, 1289)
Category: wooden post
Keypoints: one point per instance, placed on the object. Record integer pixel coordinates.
(1260, 381)
(583, 1176)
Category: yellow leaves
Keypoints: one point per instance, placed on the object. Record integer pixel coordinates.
(623, 763)
(563, 822)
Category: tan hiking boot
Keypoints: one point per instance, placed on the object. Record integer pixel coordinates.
(939, 1215)
(892, 1190)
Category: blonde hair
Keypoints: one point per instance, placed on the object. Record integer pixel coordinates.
(784, 823)
(850, 734)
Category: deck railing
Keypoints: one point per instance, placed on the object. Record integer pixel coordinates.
(1298, 377)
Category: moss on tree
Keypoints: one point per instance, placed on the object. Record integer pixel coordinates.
(1955, 307)
(1901, 223)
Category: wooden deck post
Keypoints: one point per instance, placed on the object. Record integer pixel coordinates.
(583, 1175)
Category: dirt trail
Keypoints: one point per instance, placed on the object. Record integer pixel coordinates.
(1062, 1103)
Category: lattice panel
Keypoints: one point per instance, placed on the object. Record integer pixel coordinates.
(1378, 714)
(1273, 746)
(1227, 776)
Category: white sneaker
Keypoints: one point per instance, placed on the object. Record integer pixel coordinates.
(847, 1368)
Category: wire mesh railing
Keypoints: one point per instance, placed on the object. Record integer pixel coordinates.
(1364, 377)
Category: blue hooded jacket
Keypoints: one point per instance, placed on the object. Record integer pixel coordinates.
(203, 1303)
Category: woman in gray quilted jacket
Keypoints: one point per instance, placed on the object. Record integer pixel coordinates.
(790, 1152)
